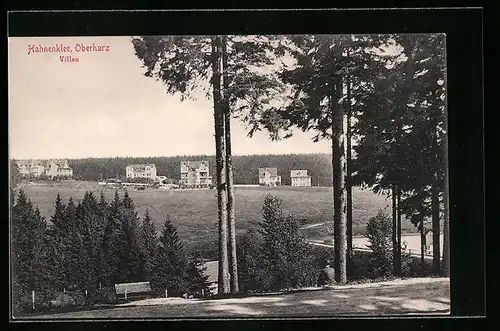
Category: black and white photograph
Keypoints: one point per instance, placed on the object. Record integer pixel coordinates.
(228, 176)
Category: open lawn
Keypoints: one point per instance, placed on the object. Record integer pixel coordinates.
(195, 212)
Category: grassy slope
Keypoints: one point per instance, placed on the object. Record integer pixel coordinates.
(195, 212)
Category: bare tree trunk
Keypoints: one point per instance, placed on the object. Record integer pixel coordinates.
(349, 169)
(446, 225)
(422, 244)
(394, 231)
(223, 282)
(233, 263)
(339, 192)
(436, 247)
(399, 232)
(436, 224)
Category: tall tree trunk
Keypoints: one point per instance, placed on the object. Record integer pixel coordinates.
(233, 264)
(422, 244)
(436, 226)
(394, 231)
(349, 169)
(339, 192)
(436, 247)
(398, 226)
(446, 225)
(220, 155)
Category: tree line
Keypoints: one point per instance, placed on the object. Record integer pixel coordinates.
(93, 245)
(387, 91)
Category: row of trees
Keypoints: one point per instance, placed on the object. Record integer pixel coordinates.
(93, 245)
(385, 92)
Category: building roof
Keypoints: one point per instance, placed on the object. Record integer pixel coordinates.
(193, 165)
(141, 167)
(212, 271)
(21, 163)
(59, 162)
(35, 163)
(298, 173)
(272, 171)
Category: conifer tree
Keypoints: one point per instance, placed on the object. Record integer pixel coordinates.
(73, 242)
(189, 63)
(57, 237)
(149, 243)
(130, 267)
(92, 236)
(170, 263)
(110, 242)
(30, 268)
(284, 249)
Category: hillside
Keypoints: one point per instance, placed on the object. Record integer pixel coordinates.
(195, 212)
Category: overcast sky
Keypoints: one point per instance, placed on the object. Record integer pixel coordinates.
(103, 106)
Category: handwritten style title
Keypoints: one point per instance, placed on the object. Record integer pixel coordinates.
(60, 48)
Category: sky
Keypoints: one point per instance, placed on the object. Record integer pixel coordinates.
(103, 106)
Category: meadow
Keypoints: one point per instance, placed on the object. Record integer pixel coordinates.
(195, 212)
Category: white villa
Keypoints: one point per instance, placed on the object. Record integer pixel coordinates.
(141, 171)
(300, 178)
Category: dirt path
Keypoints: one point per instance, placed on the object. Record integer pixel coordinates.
(402, 297)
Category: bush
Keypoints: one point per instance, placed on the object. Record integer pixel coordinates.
(379, 232)
(105, 295)
(275, 255)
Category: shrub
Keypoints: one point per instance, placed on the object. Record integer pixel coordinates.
(104, 295)
(379, 232)
(275, 255)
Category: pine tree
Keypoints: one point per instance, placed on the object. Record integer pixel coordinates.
(57, 237)
(317, 81)
(91, 236)
(110, 242)
(130, 266)
(170, 263)
(286, 254)
(30, 264)
(72, 241)
(233, 260)
(188, 63)
(149, 243)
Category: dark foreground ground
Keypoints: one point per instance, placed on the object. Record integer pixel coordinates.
(424, 296)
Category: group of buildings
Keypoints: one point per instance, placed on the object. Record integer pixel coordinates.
(270, 177)
(196, 174)
(50, 168)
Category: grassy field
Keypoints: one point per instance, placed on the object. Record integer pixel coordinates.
(195, 212)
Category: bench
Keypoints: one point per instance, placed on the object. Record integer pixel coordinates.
(133, 290)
